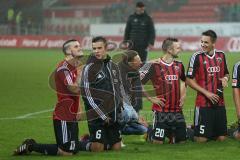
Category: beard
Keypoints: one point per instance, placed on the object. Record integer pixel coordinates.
(175, 56)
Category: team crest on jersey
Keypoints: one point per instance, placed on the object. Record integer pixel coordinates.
(219, 59)
(176, 68)
(171, 77)
(135, 20)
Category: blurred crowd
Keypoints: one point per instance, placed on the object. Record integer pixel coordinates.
(28, 18)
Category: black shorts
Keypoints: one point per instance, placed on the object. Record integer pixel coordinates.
(169, 125)
(107, 135)
(66, 134)
(210, 122)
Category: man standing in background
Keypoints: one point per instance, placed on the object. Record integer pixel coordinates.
(140, 30)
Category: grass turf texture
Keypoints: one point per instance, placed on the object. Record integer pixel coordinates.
(24, 89)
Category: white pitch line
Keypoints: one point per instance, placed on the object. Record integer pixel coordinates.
(25, 116)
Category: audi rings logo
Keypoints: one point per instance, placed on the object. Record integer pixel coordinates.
(233, 44)
(213, 69)
(171, 77)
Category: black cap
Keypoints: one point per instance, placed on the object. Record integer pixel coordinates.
(140, 4)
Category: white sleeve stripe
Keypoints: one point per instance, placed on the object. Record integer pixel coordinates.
(89, 96)
(144, 70)
(64, 132)
(235, 70)
(193, 59)
(68, 77)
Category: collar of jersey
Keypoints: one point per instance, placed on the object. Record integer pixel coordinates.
(212, 56)
(165, 63)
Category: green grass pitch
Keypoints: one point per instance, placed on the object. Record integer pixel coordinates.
(26, 100)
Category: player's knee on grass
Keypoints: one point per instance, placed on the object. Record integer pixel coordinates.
(221, 138)
(181, 142)
(97, 147)
(64, 153)
(116, 146)
(157, 142)
(200, 139)
(236, 135)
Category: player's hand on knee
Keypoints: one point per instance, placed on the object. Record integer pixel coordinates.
(158, 101)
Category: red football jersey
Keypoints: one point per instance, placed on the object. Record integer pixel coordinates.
(67, 102)
(165, 79)
(207, 70)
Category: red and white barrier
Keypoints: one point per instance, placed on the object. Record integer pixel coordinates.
(230, 44)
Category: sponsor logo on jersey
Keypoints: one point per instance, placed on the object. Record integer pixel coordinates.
(213, 69)
(219, 59)
(171, 77)
(176, 68)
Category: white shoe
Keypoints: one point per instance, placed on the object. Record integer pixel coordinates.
(122, 144)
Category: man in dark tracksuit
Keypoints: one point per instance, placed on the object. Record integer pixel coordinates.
(101, 93)
(140, 30)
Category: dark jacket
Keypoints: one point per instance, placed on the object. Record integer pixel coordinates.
(100, 89)
(132, 85)
(140, 29)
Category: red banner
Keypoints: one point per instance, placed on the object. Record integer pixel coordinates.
(231, 44)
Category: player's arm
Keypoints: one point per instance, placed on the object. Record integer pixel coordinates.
(79, 115)
(65, 77)
(183, 87)
(146, 74)
(236, 87)
(225, 80)
(74, 87)
(226, 76)
(194, 85)
(236, 98)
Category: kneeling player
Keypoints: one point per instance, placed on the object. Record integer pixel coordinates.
(166, 75)
(208, 75)
(102, 98)
(67, 109)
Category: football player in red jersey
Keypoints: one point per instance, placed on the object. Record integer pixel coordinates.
(208, 75)
(67, 110)
(167, 75)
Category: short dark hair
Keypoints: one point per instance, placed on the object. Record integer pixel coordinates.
(129, 55)
(100, 39)
(140, 4)
(65, 45)
(167, 43)
(211, 34)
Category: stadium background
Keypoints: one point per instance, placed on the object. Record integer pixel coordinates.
(32, 31)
